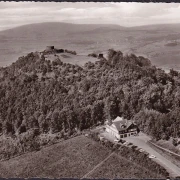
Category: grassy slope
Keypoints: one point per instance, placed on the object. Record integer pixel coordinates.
(71, 158)
(168, 145)
(117, 166)
(146, 40)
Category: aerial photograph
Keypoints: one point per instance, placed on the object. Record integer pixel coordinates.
(90, 90)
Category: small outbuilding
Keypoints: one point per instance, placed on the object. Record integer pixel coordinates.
(100, 56)
(49, 48)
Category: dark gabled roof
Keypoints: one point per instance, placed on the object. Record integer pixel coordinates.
(118, 126)
(132, 124)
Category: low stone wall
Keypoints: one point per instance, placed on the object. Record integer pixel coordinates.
(173, 157)
(172, 153)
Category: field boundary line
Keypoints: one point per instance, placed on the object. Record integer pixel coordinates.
(98, 165)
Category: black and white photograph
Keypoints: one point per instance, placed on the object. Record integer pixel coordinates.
(90, 90)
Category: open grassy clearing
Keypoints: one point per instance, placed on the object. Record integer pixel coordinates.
(72, 59)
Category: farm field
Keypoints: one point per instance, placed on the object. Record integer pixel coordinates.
(72, 158)
(117, 166)
(148, 41)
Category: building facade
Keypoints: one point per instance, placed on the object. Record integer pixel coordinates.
(121, 128)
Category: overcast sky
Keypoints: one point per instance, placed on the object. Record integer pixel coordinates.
(14, 14)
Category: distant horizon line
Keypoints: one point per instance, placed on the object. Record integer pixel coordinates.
(145, 25)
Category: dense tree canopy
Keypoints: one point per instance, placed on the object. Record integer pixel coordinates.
(62, 97)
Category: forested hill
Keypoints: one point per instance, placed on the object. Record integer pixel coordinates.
(53, 96)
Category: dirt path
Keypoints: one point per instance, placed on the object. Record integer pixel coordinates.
(141, 141)
(86, 175)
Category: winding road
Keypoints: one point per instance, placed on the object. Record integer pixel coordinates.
(141, 142)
